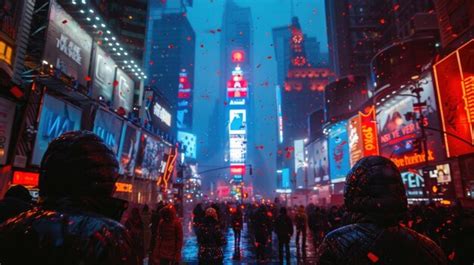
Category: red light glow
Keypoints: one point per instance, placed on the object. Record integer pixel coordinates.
(237, 56)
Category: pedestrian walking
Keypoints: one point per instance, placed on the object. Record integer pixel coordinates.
(198, 216)
(375, 198)
(155, 220)
(169, 241)
(210, 239)
(134, 225)
(17, 200)
(76, 222)
(301, 221)
(284, 231)
(237, 225)
(262, 228)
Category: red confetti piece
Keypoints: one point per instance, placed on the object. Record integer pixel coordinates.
(452, 255)
(372, 257)
(269, 57)
(88, 78)
(115, 84)
(16, 91)
(64, 21)
(258, 65)
(382, 21)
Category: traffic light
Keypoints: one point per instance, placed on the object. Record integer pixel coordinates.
(417, 146)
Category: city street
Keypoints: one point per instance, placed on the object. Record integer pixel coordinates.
(190, 250)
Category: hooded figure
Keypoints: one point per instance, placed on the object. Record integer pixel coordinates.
(169, 241)
(210, 239)
(76, 223)
(375, 199)
(17, 200)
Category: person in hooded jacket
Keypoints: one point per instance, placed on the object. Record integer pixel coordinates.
(76, 222)
(169, 241)
(210, 239)
(284, 231)
(262, 230)
(301, 222)
(16, 200)
(134, 225)
(237, 222)
(374, 196)
(198, 216)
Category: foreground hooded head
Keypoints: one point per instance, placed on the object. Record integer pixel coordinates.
(374, 192)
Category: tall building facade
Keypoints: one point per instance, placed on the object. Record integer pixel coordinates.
(171, 58)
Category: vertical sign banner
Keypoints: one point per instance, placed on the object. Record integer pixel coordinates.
(188, 143)
(169, 168)
(56, 118)
(455, 84)
(338, 146)
(7, 114)
(183, 114)
(108, 127)
(285, 178)
(355, 141)
(279, 114)
(299, 154)
(68, 47)
(123, 92)
(150, 157)
(237, 121)
(104, 73)
(237, 87)
(368, 132)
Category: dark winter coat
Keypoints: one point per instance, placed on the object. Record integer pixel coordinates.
(375, 199)
(71, 233)
(237, 220)
(11, 207)
(169, 241)
(284, 228)
(210, 239)
(262, 226)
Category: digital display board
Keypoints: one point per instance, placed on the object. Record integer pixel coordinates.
(108, 127)
(129, 149)
(414, 184)
(237, 121)
(285, 178)
(123, 92)
(397, 134)
(188, 143)
(362, 131)
(104, 74)
(68, 47)
(56, 118)
(237, 86)
(338, 147)
(279, 114)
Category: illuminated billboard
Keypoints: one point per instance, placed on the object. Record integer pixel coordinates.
(237, 121)
(188, 144)
(318, 166)
(237, 169)
(184, 119)
(279, 114)
(355, 141)
(237, 87)
(68, 47)
(455, 84)
(338, 147)
(123, 92)
(56, 118)
(129, 149)
(7, 114)
(414, 184)
(285, 178)
(108, 127)
(299, 154)
(397, 131)
(103, 75)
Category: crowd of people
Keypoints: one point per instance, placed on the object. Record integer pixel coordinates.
(78, 221)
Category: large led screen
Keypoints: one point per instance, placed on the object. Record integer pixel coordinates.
(68, 47)
(129, 149)
(108, 127)
(188, 143)
(318, 161)
(397, 133)
(104, 73)
(56, 118)
(237, 121)
(414, 184)
(338, 146)
(150, 157)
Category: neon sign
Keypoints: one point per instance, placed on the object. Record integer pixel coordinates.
(6, 52)
(25, 178)
(237, 169)
(238, 56)
(123, 187)
(237, 87)
(369, 132)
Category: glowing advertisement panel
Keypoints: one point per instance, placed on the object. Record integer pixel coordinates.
(397, 134)
(108, 127)
(285, 178)
(338, 147)
(56, 118)
(318, 160)
(299, 154)
(455, 84)
(123, 92)
(362, 131)
(355, 141)
(237, 121)
(68, 47)
(279, 114)
(129, 149)
(237, 169)
(237, 86)
(150, 159)
(188, 143)
(103, 75)
(414, 184)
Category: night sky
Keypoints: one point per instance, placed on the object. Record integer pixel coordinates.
(206, 17)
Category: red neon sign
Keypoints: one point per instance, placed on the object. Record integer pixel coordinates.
(369, 132)
(25, 178)
(238, 56)
(170, 163)
(237, 87)
(237, 169)
(184, 87)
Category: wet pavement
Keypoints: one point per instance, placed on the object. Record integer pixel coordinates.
(248, 256)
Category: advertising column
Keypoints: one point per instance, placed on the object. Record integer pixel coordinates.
(237, 89)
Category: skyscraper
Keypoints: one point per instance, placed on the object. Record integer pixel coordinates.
(172, 52)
